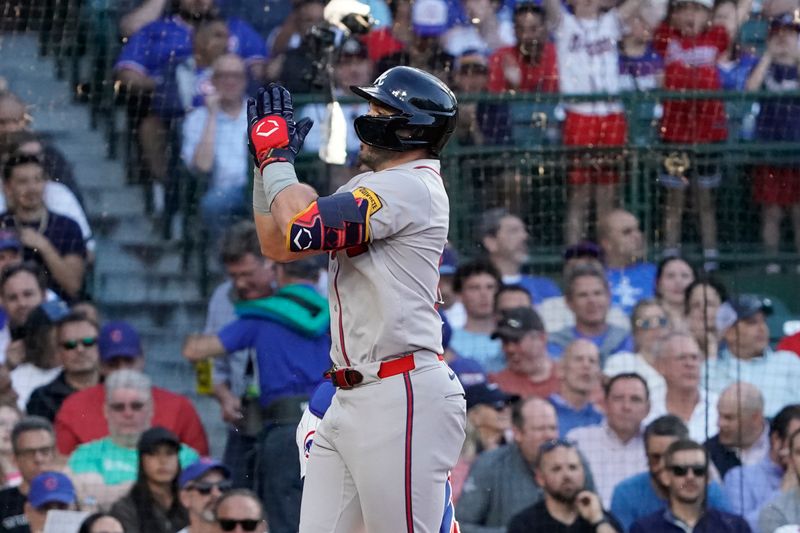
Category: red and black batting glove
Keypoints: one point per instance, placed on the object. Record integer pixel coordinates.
(272, 133)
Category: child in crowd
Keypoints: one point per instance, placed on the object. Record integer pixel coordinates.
(640, 67)
(735, 63)
(691, 46)
(777, 188)
(588, 62)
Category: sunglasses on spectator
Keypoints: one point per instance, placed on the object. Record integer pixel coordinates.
(683, 470)
(551, 445)
(205, 487)
(86, 342)
(229, 524)
(119, 407)
(652, 323)
(33, 452)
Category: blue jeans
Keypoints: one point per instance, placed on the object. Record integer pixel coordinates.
(222, 207)
(240, 456)
(280, 487)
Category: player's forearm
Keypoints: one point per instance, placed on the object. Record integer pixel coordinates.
(203, 158)
(756, 78)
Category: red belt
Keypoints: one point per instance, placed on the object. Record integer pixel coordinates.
(347, 378)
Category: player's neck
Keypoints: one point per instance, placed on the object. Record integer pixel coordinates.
(506, 266)
(688, 513)
(575, 398)
(401, 159)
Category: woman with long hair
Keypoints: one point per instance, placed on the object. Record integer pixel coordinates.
(703, 298)
(101, 523)
(673, 275)
(153, 505)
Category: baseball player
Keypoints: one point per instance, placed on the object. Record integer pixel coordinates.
(395, 427)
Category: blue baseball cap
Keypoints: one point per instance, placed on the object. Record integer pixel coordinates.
(9, 240)
(449, 261)
(469, 371)
(200, 468)
(119, 339)
(429, 18)
(49, 487)
(487, 394)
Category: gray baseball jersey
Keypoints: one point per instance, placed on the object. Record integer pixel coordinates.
(384, 449)
(382, 295)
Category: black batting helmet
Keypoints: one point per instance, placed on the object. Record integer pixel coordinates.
(426, 116)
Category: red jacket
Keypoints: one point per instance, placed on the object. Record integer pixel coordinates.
(81, 419)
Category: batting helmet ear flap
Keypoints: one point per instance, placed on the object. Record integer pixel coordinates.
(426, 111)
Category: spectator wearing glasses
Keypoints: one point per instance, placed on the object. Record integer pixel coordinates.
(686, 479)
(105, 469)
(679, 360)
(240, 510)
(650, 322)
(34, 451)
(49, 491)
(202, 483)
(567, 505)
(153, 504)
(76, 347)
(646, 493)
(81, 420)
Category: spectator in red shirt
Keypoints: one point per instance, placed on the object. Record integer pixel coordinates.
(81, 418)
(691, 46)
(530, 65)
(530, 370)
(391, 39)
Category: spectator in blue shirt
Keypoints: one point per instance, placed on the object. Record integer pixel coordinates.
(250, 276)
(686, 478)
(751, 487)
(647, 493)
(147, 63)
(629, 276)
(213, 145)
(736, 62)
(505, 239)
(588, 296)
(476, 283)
(289, 332)
(580, 377)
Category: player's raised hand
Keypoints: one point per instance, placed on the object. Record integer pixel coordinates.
(272, 133)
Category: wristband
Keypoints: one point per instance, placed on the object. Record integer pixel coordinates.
(277, 176)
(260, 204)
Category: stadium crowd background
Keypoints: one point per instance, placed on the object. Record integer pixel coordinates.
(625, 195)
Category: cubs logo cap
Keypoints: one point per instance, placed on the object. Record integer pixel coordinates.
(200, 468)
(50, 487)
(119, 339)
(740, 307)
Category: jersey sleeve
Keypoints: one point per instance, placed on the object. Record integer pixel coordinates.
(382, 205)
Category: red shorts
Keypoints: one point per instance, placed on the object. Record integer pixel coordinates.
(776, 185)
(594, 130)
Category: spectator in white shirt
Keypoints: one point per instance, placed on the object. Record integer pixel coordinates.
(214, 144)
(679, 359)
(615, 449)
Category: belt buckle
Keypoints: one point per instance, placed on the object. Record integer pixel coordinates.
(344, 378)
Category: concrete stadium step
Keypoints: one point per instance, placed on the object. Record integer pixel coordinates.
(146, 288)
(176, 317)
